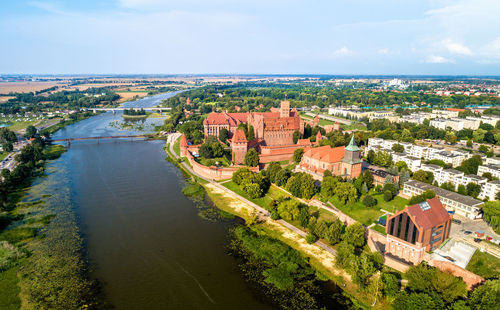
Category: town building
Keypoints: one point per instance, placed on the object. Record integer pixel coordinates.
(491, 168)
(380, 175)
(460, 204)
(340, 161)
(417, 229)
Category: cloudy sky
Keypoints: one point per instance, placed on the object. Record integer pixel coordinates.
(250, 36)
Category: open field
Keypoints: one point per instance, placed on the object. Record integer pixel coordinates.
(5, 98)
(26, 87)
(129, 95)
(484, 264)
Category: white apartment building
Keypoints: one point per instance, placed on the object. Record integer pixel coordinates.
(490, 190)
(444, 114)
(493, 169)
(460, 204)
(417, 118)
(472, 123)
(493, 160)
(439, 123)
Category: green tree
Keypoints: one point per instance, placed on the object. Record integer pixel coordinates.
(355, 235)
(368, 178)
(253, 190)
(297, 155)
(250, 133)
(30, 132)
(334, 232)
(371, 156)
(369, 201)
(462, 190)
(391, 284)
(304, 216)
(289, 210)
(398, 148)
(346, 192)
(311, 238)
(252, 158)
(387, 196)
(7, 146)
(206, 151)
(473, 189)
(296, 136)
(423, 176)
(308, 187)
(327, 173)
(223, 135)
(486, 296)
(328, 186)
(281, 177)
(345, 254)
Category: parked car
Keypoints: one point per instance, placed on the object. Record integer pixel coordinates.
(467, 232)
(456, 221)
(477, 240)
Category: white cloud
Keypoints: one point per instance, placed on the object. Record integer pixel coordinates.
(436, 59)
(456, 48)
(384, 51)
(344, 51)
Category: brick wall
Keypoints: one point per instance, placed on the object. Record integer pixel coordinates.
(215, 173)
(470, 278)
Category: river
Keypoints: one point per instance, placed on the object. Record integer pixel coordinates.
(144, 240)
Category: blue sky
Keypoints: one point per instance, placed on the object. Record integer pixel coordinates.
(250, 36)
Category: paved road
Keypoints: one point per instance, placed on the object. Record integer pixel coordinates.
(263, 213)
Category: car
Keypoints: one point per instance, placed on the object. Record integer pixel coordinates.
(467, 232)
(456, 221)
(477, 240)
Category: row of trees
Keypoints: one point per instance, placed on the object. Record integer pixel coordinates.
(253, 184)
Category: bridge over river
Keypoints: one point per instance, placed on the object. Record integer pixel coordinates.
(161, 109)
(68, 140)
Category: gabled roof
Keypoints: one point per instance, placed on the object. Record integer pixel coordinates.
(326, 153)
(429, 213)
(239, 137)
(231, 119)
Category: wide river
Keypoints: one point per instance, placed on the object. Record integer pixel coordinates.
(146, 243)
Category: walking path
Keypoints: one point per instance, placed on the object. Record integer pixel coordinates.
(263, 213)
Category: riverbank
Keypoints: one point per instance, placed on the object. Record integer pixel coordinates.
(323, 261)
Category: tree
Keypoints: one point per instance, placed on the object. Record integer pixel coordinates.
(7, 146)
(253, 190)
(289, 209)
(223, 135)
(398, 148)
(368, 178)
(473, 189)
(371, 156)
(404, 176)
(296, 136)
(345, 254)
(469, 143)
(346, 192)
(311, 238)
(369, 201)
(364, 188)
(327, 173)
(423, 176)
(483, 148)
(328, 186)
(30, 132)
(205, 151)
(450, 137)
(334, 232)
(387, 195)
(391, 284)
(486, 296)
(355, 235)
(297, 155)
(308, 187)
(462, 190)
(321, 229)
(304, 216)
(469, 166)
(428, 194)
(281, 177)
(252, 158)
(250, 133)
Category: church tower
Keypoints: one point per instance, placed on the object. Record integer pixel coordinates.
(351, 162)
(285, 108)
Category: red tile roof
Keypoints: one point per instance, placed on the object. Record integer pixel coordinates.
(183, 142)
(434, 216)
(239, 137)
(231, 119)
(326, 153)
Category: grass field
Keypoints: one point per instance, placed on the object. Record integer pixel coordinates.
(9, 291)
(177, 147)
(16, 126)
(484, 264)
(398, 203)
(273, 193)
(358, 211)
(379, 228)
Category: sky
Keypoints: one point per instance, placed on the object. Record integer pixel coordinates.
(427, 37)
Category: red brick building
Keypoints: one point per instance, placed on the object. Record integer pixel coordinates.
(239, 145)
(341, 161)
(270, 128)
(417, 229)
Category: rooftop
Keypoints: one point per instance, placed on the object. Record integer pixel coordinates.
(466, 200)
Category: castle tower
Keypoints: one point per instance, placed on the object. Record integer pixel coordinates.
(285, 108)
(183, 145)
(351, 163)
(239, 145)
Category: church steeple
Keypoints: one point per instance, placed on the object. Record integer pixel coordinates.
(352, 145)
(352, 153)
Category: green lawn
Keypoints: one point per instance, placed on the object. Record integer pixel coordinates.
(273, 193)
(484, 264)
(16, 126)
(177, 147)
(379, 228)
(398, 203)
(3, 155)
(9, 291)
(358, 211)
(212, 161)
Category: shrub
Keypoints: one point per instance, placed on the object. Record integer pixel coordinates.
(387, 196)
(369, 201)
(275, 215)
(311, 238)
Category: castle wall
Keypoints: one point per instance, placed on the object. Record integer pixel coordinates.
(214, 173)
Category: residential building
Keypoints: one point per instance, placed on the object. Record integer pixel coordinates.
(379, 176)
(493, 160)
(460, 204)
(417, 229)
(491, 168)
(490, 190)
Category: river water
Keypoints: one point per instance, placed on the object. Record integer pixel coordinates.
(145, 242)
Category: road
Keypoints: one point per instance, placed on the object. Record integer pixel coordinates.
(263, 213)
